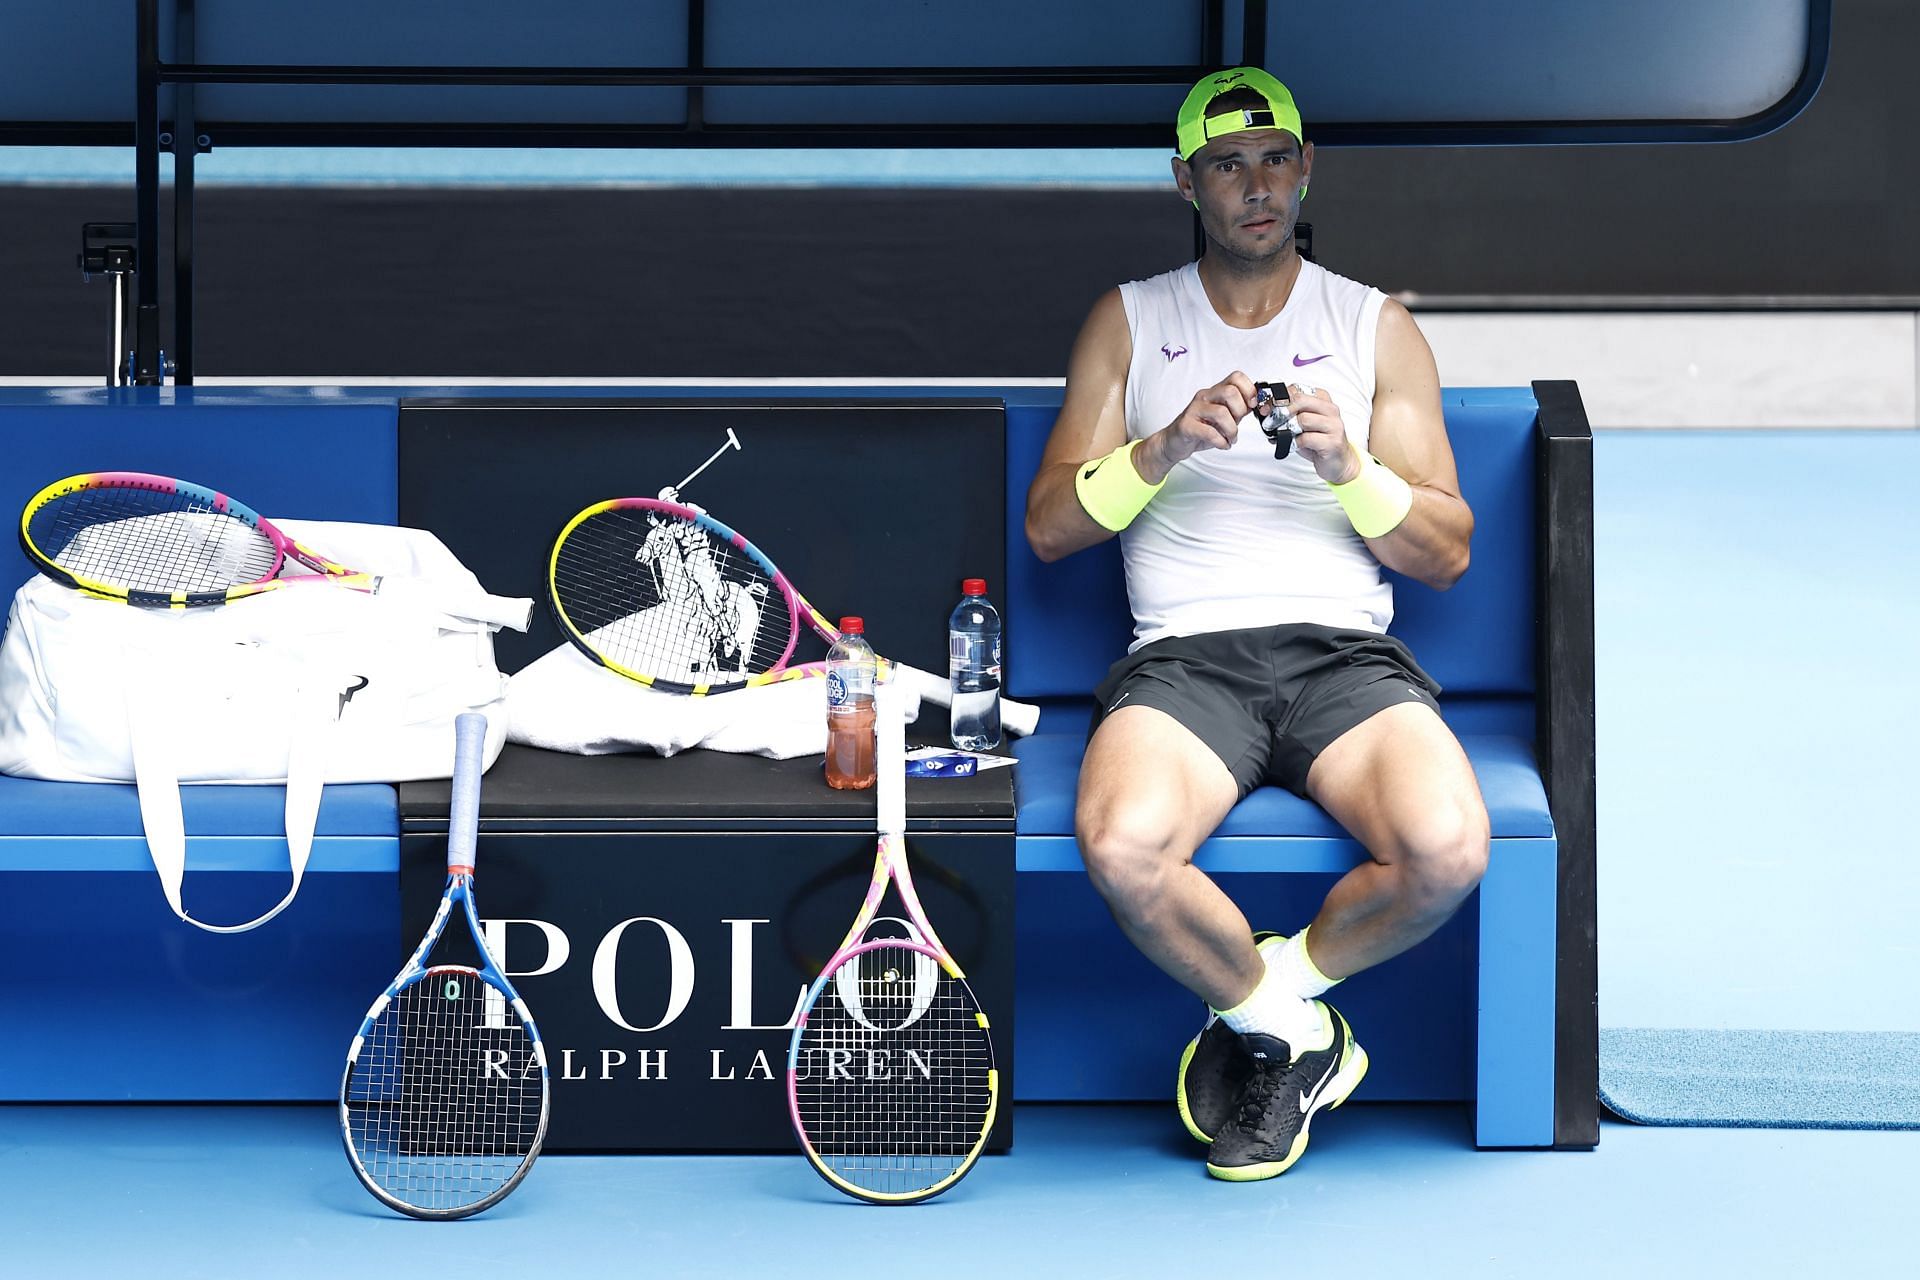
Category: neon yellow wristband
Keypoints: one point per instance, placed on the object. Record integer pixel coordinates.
(1111, 491)
(1376, 500)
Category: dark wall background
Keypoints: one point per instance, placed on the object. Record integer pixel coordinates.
(738, 281)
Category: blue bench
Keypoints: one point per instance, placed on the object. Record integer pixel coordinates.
(1521, 460)
(125, 1001)
(1498, 1007)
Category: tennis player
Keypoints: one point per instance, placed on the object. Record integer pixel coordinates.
(1260, 652)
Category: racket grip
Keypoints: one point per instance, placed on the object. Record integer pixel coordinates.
(463, 810)
(515, 613)
(1017, 718)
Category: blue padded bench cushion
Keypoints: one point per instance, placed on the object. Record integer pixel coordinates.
(1048, 775)
(29, 807)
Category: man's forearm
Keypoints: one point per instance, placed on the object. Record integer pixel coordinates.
(1430, 545)
(1057, 525)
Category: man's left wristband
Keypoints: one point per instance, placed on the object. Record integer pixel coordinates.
(1376, 500)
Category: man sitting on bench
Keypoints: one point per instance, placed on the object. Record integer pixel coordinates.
(1260, 651)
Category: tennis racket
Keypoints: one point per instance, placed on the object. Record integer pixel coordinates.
(443, 1105)
(667, 595)
(890, 1075)
(154, 541)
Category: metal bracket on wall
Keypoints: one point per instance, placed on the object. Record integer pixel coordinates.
(106, 249)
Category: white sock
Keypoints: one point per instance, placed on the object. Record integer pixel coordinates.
(1273, 1010)
(1298, 973)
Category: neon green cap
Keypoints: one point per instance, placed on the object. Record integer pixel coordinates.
(1194, 128)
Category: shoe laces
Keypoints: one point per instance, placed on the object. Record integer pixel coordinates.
(1257, 1099)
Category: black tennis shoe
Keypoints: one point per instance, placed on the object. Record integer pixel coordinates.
(1267, 1132)
(1213, 1066)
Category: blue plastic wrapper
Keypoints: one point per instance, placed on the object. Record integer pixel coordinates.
(942, 767)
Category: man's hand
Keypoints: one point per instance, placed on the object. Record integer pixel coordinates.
(1322, 434)
(1211, 420)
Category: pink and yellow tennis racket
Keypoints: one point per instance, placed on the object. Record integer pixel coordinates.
(890, 1075)
(667, 595)
(159, 542)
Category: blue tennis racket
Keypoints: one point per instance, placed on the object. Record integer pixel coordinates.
(443, 1105)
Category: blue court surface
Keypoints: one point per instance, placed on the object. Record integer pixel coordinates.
(1757, 646)
(232, 1191)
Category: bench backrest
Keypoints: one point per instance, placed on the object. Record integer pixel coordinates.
(1069, 620)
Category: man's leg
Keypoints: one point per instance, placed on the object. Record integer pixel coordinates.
(1150, 793)
(1399, 782)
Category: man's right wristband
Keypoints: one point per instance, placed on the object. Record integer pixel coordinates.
(1111, 491)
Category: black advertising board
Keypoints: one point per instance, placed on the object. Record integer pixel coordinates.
(664, 965)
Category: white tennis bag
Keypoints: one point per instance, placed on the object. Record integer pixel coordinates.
(309, 684)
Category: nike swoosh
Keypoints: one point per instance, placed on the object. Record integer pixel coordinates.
(1307, 1099)
(1088, 473)
(1333, 1069)
(1298, 363)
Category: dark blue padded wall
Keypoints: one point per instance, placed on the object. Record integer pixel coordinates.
(1476, 638)
(316, 460)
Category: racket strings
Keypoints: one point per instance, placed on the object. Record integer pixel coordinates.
(150, 540)
(892, 1078)
(671, 599)
(446, 1100)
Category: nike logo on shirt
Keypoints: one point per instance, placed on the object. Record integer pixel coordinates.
(1298, 363)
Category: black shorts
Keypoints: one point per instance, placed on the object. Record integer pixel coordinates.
(1268, 700)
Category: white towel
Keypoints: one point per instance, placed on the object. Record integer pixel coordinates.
(567, 702)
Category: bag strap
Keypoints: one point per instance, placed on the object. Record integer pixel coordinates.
(157, 780)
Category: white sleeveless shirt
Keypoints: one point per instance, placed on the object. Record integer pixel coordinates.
(1236, 539)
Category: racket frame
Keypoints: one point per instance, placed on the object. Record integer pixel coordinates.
(458, 892)
(889, 866)
(1020, 717)
(218, 503)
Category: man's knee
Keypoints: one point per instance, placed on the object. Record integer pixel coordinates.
(1129, 848)
(1446, 855)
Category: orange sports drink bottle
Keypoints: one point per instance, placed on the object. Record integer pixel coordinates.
(851, 673)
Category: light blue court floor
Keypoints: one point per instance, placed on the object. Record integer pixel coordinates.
(142, 1191)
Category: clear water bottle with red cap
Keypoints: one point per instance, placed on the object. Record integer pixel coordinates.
(851, 672)
(973, 669)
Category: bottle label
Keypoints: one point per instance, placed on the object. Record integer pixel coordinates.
(967, 655)
(849, 685)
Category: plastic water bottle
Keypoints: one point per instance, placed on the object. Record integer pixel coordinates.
(851, 670)
(973, 669)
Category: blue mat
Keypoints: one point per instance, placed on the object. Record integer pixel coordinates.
(1762, 1079)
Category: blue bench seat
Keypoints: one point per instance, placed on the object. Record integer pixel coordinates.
(1475, 1011)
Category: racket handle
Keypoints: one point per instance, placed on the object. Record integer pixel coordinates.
(1017, 718)
(515, 613)
(463, 810)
